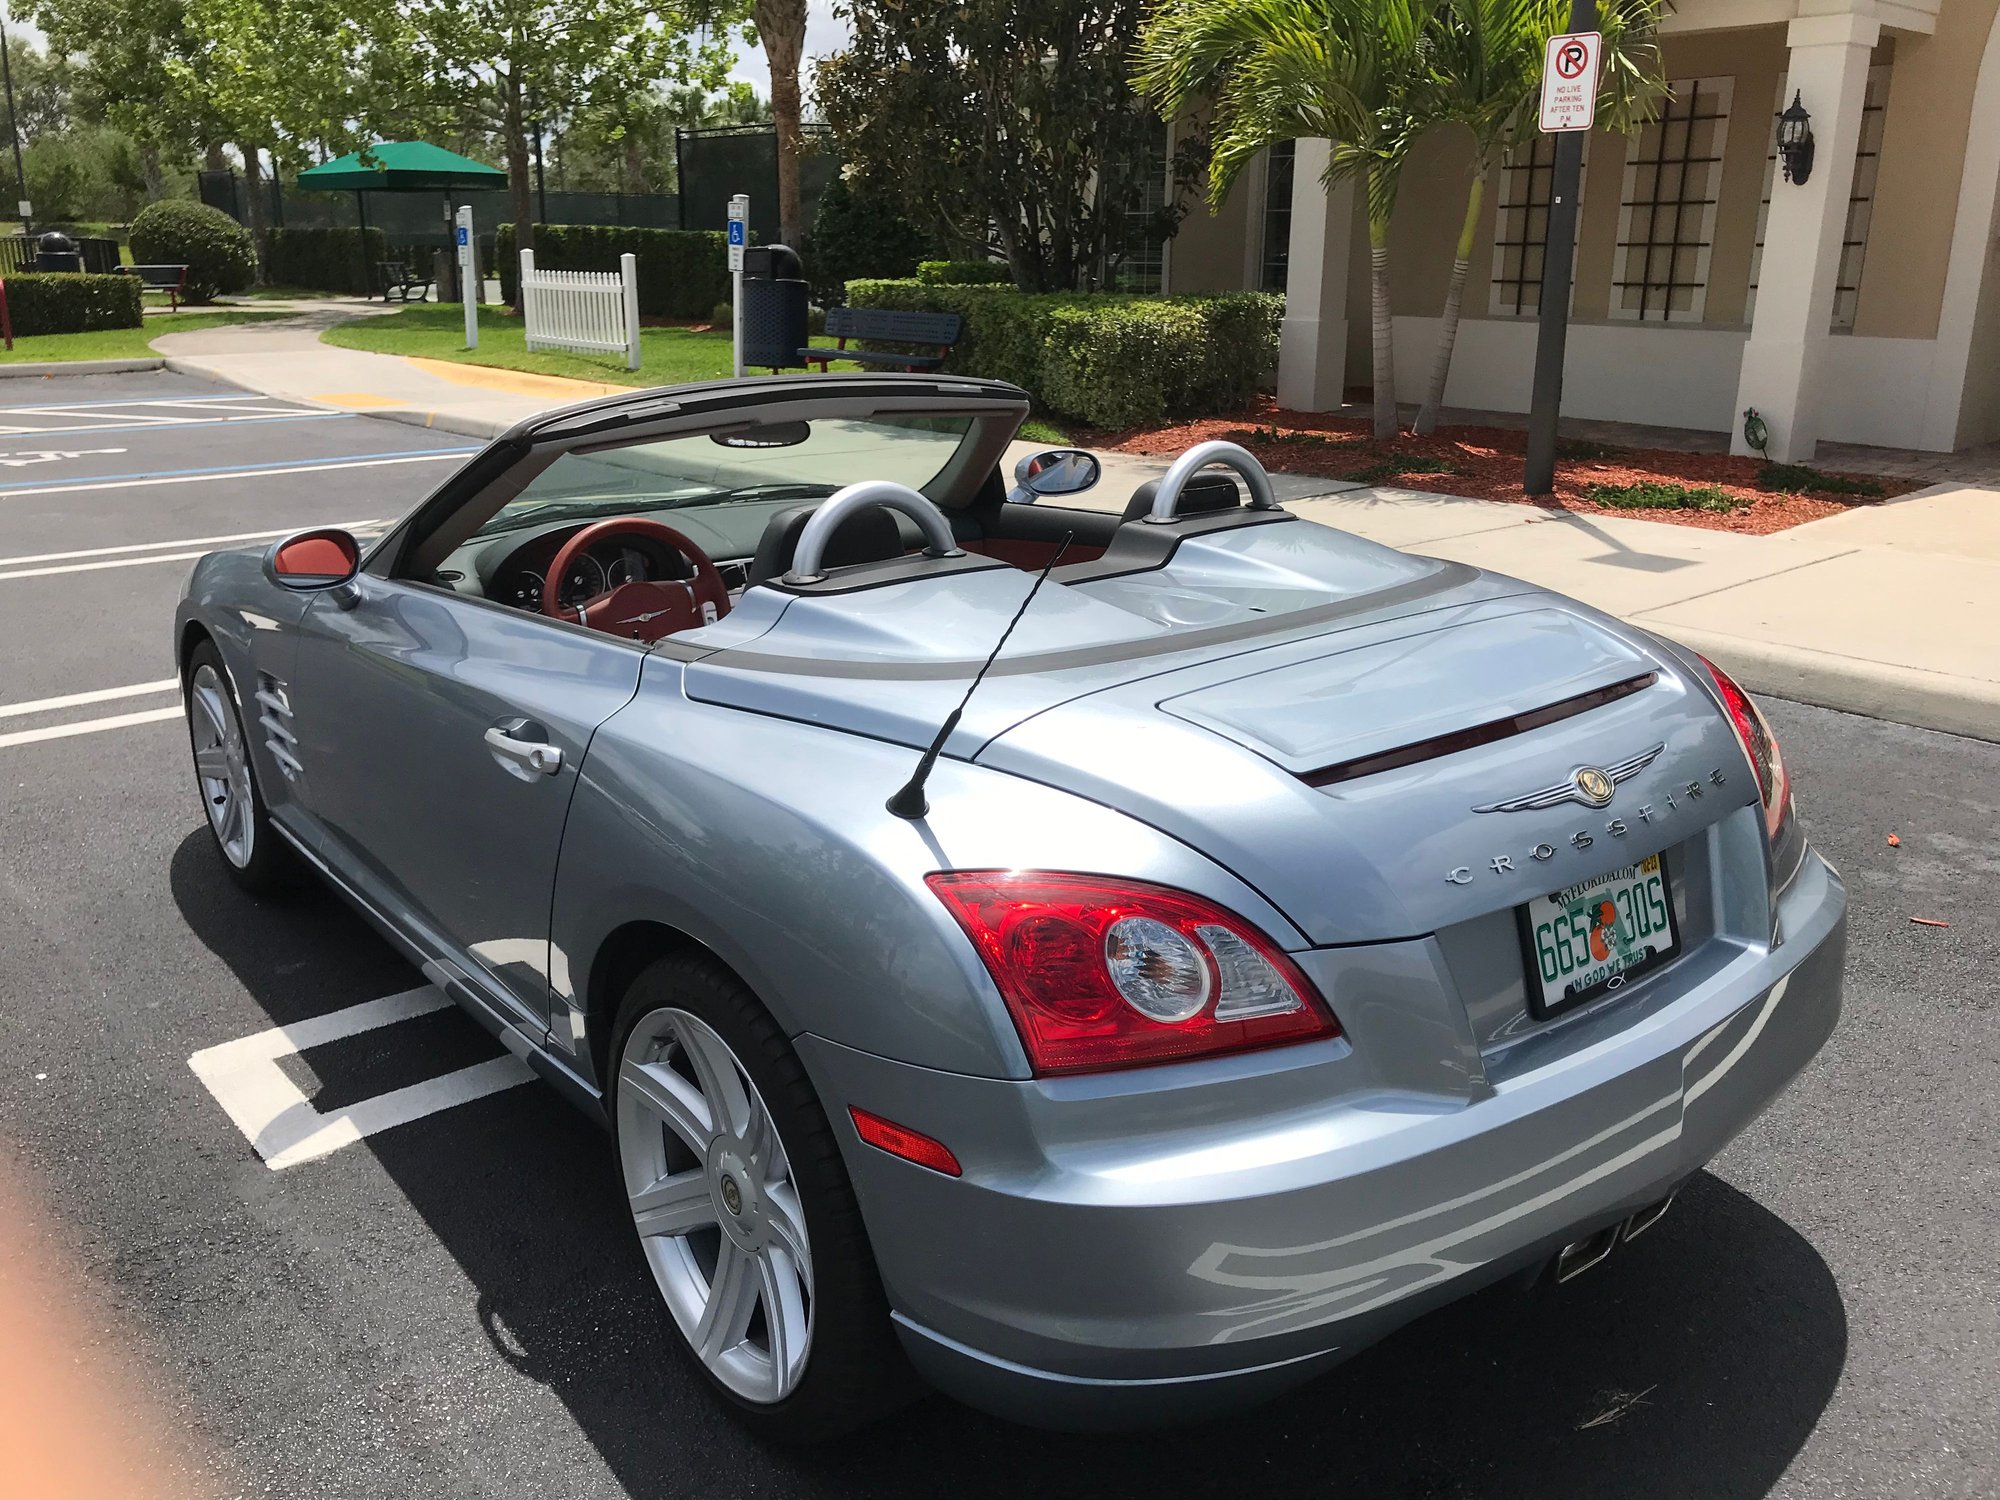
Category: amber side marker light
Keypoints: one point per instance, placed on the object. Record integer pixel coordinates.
(900, 1140)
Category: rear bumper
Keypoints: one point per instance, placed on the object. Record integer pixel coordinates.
(1124, 1276)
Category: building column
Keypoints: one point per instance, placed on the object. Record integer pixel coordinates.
(1312, 350)
(1802, 239)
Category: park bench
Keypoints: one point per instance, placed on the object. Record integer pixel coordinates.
(399, 281)
(935, 333)
(169, 279)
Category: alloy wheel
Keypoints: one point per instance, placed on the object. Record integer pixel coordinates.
(715, 1205)
(221, 765)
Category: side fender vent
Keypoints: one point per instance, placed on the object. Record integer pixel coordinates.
(274, 717)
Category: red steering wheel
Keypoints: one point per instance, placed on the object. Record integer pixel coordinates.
(640, 609)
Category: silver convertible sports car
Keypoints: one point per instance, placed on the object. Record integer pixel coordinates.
(1108, 963)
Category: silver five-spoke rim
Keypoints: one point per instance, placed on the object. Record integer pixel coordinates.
(220, 765)
(715, 1206)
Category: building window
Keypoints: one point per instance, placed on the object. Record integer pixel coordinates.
(1666, 221)
(1143, 266)
(1276, 261)
(1860, 200)
(1521, 225)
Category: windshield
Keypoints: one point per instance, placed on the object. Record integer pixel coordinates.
(801, 461)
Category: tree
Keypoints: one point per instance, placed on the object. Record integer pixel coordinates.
(1004, 122)
(1485, 73)
(1279, 70)
(781, 32)
(488, 59)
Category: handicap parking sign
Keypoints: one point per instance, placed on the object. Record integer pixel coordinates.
(464, 235)
(736, 227)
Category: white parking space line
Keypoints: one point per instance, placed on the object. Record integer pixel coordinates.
(88, 726)
(77, 700)
(218, 476)
(186, 541)
(280, 1122)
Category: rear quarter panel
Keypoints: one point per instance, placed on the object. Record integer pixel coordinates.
(766, 840)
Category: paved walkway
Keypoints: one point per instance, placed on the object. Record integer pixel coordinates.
(1891, 610)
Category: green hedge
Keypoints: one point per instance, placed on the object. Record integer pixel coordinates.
(1111, 361)
(964, 273)
(215, 248)
(326, 260)
(683, 273)
(63, 302)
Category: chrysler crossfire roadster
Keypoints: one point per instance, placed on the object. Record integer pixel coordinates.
(1109, 964)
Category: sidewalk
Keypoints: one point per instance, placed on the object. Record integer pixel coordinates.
(1891, 610)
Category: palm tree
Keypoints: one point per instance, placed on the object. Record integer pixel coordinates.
(1484, 71)
(1278, 70)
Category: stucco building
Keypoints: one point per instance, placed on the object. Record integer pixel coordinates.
(1862, 306)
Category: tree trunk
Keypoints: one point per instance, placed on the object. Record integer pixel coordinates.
(213, 159)
(635, 165)
(520, 191)
(151, 173)
(781, 30)
(1385, 328)
(253, 195)
(1427, 416)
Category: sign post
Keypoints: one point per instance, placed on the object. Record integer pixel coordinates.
(469, 289)
(739, 236)
(1569, 109)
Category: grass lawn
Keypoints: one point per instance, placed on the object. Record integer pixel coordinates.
(120, 343)
(669, 356)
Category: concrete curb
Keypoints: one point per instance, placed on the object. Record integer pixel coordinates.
(81, 367)
(442, 421)
(1876, 690)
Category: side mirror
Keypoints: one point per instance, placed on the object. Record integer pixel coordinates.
(1056, 471)
(308, 561)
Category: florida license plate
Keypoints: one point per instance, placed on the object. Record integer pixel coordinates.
(1594, 936)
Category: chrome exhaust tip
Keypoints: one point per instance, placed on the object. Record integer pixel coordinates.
(1646, 1218)
(1580, 1255)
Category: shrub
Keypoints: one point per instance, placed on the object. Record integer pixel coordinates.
(1111, 361)
(65, 302)
(964, 273)
(856, 234)
(328, 260)
(1659, 495)
(723, 314)
(215, 248)
(683, 273)
(1797, 478)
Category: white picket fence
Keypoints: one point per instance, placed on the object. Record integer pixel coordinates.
(583, 310)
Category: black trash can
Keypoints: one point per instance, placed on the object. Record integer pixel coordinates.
(774, 308)
(56, 251)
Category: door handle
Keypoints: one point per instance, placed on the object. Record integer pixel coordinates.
(529, 755)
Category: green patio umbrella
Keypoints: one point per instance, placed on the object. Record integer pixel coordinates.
(399, 167)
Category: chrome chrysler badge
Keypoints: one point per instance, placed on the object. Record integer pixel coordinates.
(1593, 786)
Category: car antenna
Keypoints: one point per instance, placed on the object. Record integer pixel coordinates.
(909, 801)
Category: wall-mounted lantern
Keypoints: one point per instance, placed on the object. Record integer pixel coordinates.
(1795, 141)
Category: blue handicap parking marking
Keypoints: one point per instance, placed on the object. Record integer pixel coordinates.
(736, 231)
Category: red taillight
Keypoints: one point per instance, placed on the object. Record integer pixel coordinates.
(1767, 761)
(1101, 973)
(900, 1140)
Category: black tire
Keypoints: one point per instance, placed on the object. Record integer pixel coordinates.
(855, 1371)
(269, 865)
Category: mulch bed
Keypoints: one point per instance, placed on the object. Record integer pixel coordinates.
(1485, 463)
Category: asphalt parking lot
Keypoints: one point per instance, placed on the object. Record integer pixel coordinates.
(455, 1306)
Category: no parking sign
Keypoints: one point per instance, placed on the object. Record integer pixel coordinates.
(1569, 81)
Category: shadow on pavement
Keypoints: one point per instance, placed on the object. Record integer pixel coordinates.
(1695, 1361)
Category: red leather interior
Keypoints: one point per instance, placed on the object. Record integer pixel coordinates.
(647, 609)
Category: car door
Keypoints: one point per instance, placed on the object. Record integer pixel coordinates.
(440, 738)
